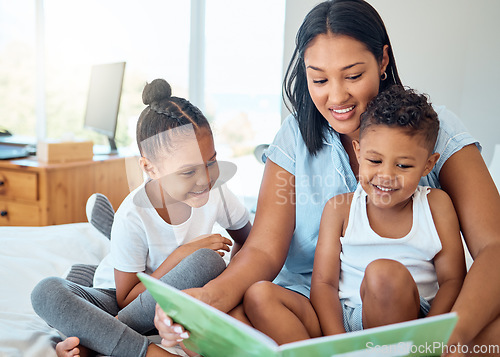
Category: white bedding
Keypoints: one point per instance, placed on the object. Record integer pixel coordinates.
(27, 255)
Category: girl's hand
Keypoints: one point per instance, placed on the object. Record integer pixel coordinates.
(215, 242)
(171, 333)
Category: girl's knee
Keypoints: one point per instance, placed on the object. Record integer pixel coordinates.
(211, 256)
(195, 270)
(205, 253)
(208, 258)
(43, 293)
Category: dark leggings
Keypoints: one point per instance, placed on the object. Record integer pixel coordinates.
(89, 313)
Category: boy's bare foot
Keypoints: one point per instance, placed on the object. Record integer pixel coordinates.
(71, 347)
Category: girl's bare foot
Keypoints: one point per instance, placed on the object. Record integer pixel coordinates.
(71, 347)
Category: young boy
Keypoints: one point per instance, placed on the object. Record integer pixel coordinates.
(391, 251)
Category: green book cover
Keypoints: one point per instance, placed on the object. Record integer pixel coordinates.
(216, 334)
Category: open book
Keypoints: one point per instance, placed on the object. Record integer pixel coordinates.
(214, 333)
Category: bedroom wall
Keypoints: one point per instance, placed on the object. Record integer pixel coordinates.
(445, 48)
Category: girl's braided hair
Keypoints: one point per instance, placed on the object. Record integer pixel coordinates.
(163, 113)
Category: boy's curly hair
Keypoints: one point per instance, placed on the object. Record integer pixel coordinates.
(404, 108)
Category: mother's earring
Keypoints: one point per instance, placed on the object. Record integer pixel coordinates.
(383, 77)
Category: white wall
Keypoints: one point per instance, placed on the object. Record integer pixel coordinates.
(448, 49)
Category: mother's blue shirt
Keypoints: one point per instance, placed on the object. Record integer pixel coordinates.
(318, 178)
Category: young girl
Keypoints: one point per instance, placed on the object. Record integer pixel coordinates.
(162, 228)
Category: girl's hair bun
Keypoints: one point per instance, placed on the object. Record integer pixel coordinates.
(156, 91)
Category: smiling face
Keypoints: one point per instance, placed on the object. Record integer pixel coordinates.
(391, 163)
(342, 77)
(188, 170)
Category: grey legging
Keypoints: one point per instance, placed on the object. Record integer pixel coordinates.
(89, 313)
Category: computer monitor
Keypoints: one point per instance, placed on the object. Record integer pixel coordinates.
(103, 100)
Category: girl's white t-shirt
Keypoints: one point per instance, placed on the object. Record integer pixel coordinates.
(141, 240)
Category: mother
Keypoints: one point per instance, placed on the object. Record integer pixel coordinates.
(343, 58)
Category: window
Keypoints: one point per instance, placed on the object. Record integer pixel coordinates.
(243, 44)
(17, 66)
(244, 52)
(152, 36)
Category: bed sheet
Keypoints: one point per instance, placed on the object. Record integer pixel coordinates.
(27, 255)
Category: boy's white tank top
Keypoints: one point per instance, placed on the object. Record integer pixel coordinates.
(361, 245)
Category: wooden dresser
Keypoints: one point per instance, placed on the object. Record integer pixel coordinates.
(38, 194)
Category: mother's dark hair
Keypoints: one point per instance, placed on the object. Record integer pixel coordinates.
(353, 18)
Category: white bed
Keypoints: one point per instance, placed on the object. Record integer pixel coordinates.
(27, 255)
